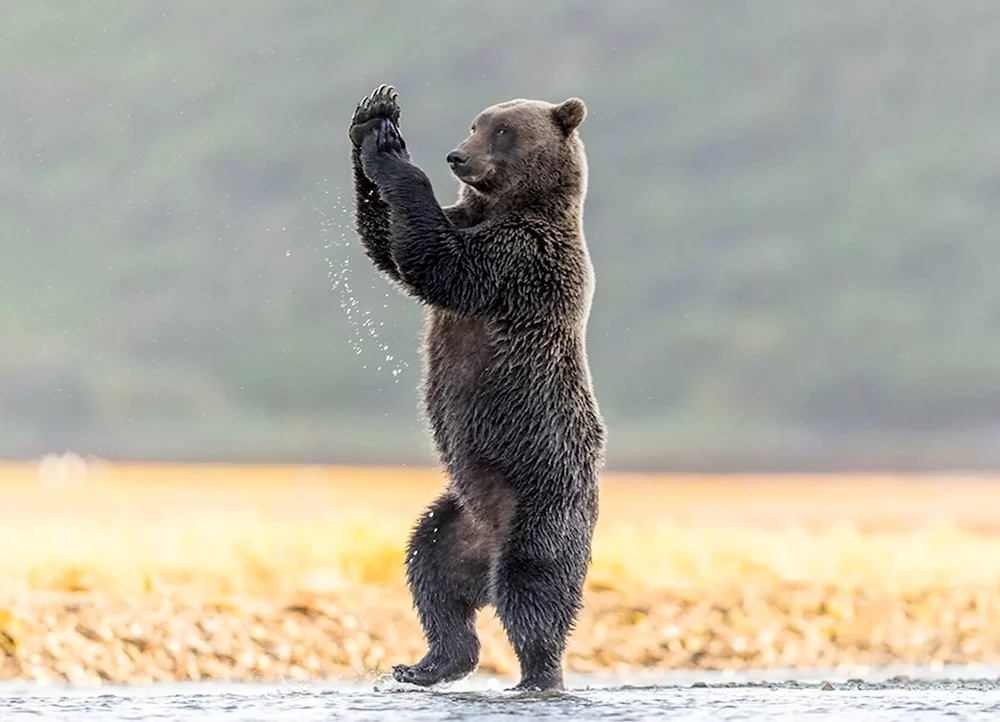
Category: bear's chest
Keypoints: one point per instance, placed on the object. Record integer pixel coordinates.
(458, 353)
(483, 388)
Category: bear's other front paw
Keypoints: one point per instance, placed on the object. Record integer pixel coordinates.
(381, 103)
(388, 140)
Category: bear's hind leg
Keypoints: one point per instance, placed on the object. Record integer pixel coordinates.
(447, 567)
(539, 593)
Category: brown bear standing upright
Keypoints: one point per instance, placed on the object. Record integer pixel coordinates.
(508, 282)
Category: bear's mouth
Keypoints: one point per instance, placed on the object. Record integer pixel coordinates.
(472, 171)
(475, 180)
(465, 173)
(481, 185)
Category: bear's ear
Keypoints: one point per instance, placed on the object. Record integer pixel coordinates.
(569, 114)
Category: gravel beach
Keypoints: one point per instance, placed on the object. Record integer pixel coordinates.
(359, 633)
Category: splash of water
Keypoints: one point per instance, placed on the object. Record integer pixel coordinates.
(339, 271)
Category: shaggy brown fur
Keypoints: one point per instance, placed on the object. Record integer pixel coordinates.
(507, 281)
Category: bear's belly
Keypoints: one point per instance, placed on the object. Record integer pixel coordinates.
(512, 414)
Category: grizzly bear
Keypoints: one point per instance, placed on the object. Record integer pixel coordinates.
(507, 282)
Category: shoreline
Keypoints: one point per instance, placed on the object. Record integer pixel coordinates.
(358, 633)
(164, 573)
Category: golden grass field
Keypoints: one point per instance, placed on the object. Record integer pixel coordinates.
(267, 529)
(138, 573)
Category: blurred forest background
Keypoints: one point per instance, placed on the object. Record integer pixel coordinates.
(794, 212)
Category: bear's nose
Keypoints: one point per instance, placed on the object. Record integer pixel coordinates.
(457, 158)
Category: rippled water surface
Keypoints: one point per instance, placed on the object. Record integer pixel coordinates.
(950, 694)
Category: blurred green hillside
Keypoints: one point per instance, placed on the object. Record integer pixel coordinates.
(793, 213)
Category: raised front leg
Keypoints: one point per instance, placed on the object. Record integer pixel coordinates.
(370, 211)
(499, 268)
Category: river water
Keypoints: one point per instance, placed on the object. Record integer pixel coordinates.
(900, 694)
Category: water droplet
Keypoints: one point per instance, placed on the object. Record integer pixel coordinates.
(361, 321)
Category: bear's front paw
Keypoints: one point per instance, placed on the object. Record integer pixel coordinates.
(388, 140)
(380, 104)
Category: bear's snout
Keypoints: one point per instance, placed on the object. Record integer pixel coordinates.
(457, 160)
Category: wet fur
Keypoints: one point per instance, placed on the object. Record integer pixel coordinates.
(507, 282)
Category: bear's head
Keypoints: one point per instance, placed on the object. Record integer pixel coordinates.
(526, 149)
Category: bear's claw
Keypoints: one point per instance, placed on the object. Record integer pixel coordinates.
(380, 103)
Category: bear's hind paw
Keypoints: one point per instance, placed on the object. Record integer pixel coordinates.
(427, 673)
